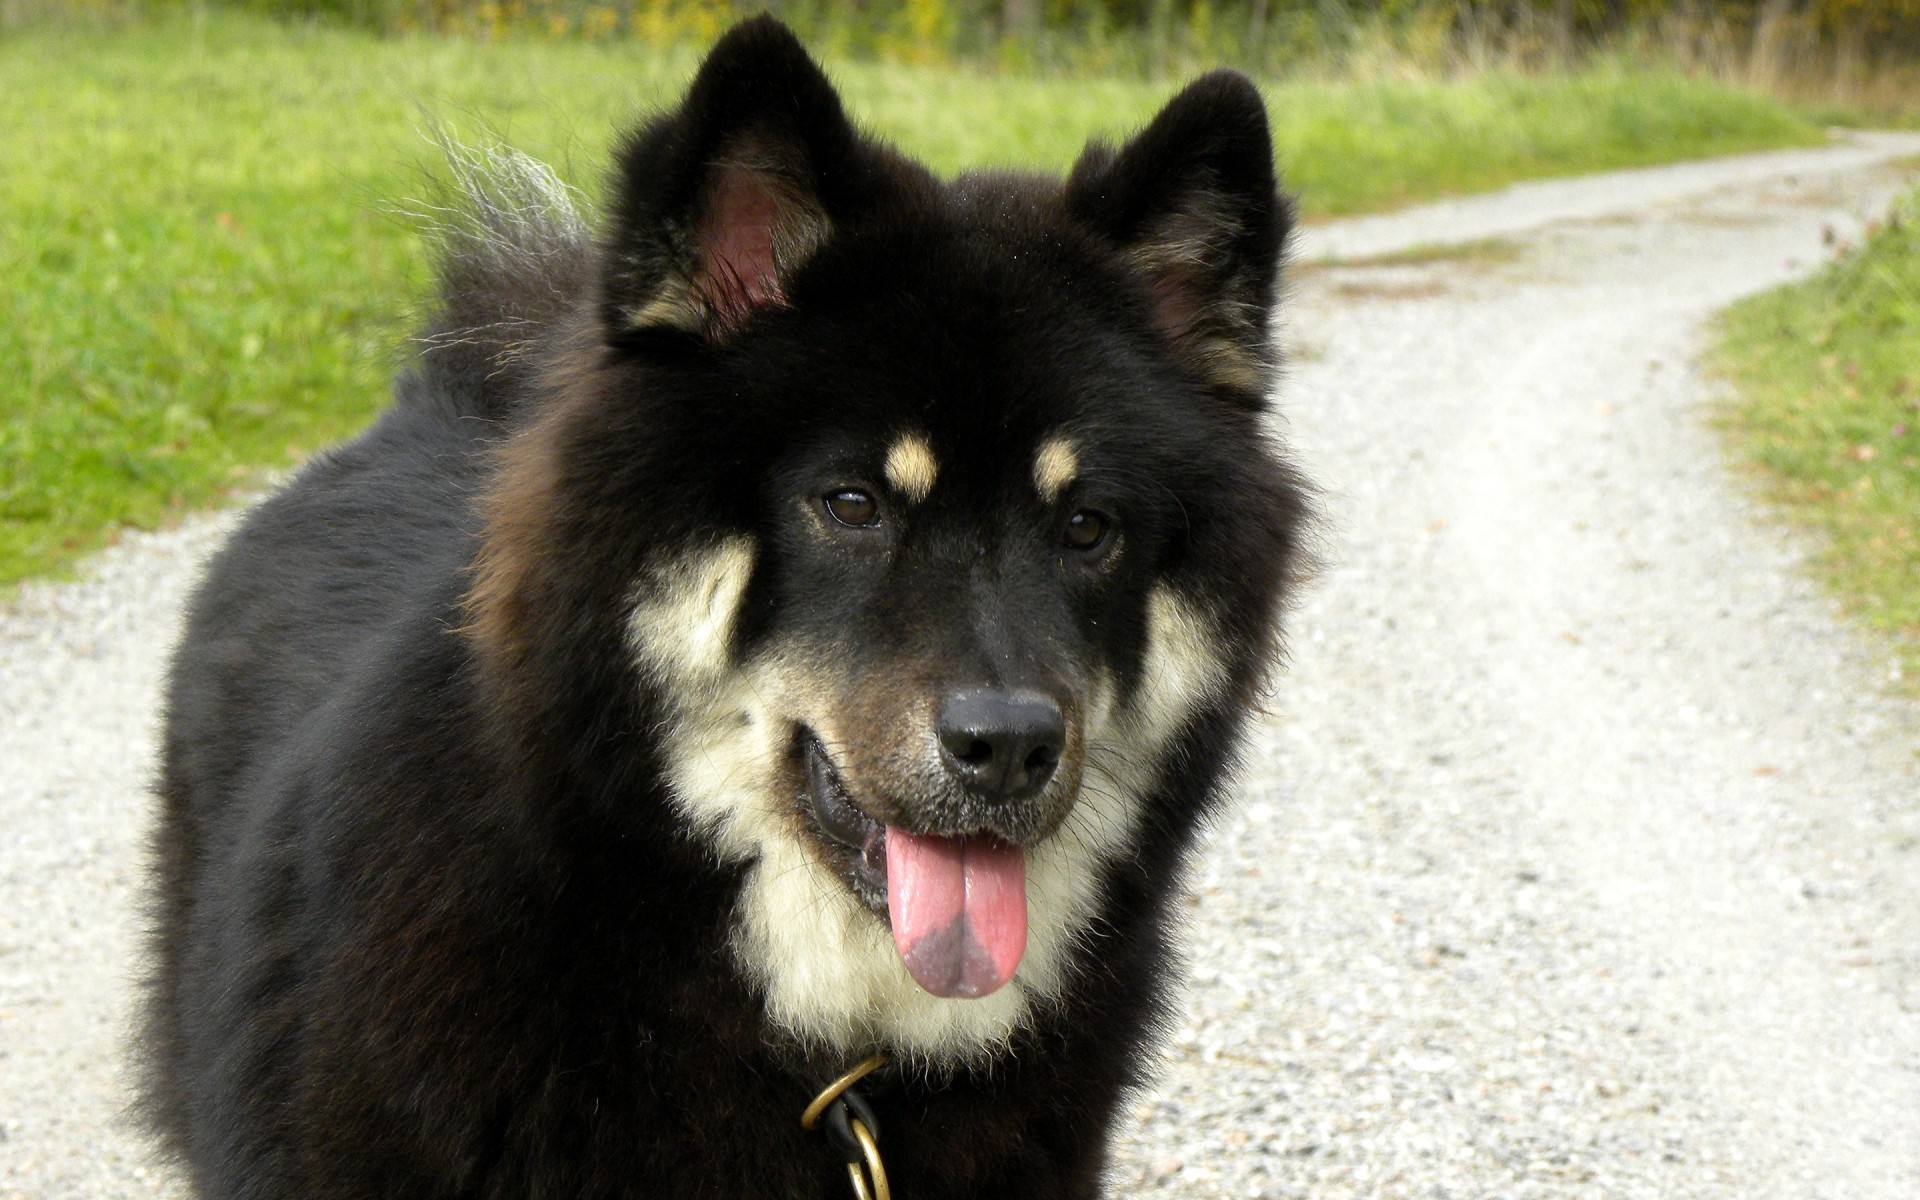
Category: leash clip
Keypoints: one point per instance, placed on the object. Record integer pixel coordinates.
(852, 1128)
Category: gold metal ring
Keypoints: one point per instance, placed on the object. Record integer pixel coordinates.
(871, 1152)
(811, 1118)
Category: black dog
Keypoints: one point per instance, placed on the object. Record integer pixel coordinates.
(809, 621)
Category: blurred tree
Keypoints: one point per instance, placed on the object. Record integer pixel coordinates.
(1019, 18)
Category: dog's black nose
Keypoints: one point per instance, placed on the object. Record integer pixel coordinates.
(1002, 744)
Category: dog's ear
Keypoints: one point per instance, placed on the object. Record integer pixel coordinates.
(1193, 204)
(718, 203)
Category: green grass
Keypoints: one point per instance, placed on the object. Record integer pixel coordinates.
(202, 283)
(1827, 374)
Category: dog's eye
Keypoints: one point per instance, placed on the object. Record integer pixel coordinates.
(1087, 530)
(850, 506)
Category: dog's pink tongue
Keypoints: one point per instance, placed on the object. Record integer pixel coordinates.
(959, 910)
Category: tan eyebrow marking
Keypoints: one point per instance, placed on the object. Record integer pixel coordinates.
(1055, 468)
(911, 467)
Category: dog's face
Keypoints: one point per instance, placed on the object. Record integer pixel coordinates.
(938, 514)
(942, 606)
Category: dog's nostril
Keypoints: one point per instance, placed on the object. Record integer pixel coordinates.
(1001, 743)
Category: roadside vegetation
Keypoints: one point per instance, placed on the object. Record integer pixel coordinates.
(1827, 376)
(1850, 56)
(209, 280)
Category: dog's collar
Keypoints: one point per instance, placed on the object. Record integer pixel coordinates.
(848, 1120)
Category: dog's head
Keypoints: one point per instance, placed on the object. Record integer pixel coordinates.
(930, 518)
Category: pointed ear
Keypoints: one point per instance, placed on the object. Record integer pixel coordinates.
(719, 203)
(1193, 204)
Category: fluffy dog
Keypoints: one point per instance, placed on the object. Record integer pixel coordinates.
(808, 619)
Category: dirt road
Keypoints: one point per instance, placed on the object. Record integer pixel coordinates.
(1579, 858)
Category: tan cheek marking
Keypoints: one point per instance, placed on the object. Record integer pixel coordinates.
(682, 619)
(1055, 468)
(1183, 667)
(911, 467)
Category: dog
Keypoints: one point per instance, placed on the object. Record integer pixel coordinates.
(801, 621)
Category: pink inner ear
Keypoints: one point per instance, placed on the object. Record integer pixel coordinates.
(736, 235)
(1177, 305)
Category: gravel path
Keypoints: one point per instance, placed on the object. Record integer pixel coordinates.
(1581, 856)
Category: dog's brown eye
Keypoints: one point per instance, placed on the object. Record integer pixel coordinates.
(1086, 530)
(851, 507)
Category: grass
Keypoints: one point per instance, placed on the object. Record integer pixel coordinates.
(204, 284)
(1827, 374)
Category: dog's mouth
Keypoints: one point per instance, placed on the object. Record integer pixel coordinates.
(844, 824)
(957, 904)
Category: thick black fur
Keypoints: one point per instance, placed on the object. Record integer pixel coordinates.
(428, 922)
